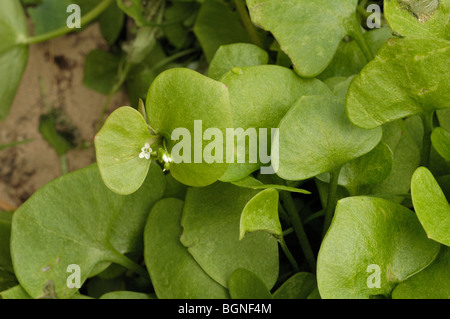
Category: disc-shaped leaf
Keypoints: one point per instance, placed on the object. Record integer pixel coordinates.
(430, 283)
(260, 96)
(372, 245)
(174, 273)
(183, 104)
(13, 53)
(419, 18)
(118, 146)
(261, 214)
(298, 286)
(441, 142)
(244, 284)
(368, 169)
(316, 137)
(311, 30)
(211, 219)
(431, 206)
(234, 55)
(407, 77)
(69, 221)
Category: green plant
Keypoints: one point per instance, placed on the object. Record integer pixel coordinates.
(356, 195)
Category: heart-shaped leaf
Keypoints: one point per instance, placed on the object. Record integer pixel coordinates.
(441, 142)
(266, 89)
(234, 55)
(69, 222)
(184, 103)
(419, 18)
(298, 286)
(430, 283)
(371, 168)
(244, 284)
(372, 245)
(211, 219)
(261, 214)
(401, 81)
(316, 137)
(119, 146)
(311, 30)
(174, 273)
(431, 206)
(13, 51)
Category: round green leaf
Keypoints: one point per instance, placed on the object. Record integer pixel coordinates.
(298, 286)
(372, 245)
(174, 273)
(211, 219)
(430, 283)
(69, 221)
(260, 96)
(236, 55)
(441, 142)
(407, 77)
(368, 169)
(118, 146)
(311, 30)
(316, 137)
(419, 18)
(261, 214)
(13, 53)
(431, 206)
(179, 99)
(244, 284)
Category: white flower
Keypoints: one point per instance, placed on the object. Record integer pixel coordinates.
(166, 159)
(146, 150)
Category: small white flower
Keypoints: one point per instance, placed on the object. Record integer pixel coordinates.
(146, 150)
(166, 159)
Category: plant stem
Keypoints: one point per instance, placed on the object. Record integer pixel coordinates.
(288, 254)
(126, 262)
(427, 120)
(248, 24)
(299, 230)
(63, 162)
(331, 199)
(354, 30)
(90, 16)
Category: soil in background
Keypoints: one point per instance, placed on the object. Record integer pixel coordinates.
(53, 80)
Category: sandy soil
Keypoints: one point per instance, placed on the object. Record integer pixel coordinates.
(52, 80)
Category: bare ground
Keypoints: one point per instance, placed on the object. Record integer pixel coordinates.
(52, 80)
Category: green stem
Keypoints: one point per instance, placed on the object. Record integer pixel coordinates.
(63, 162)
(172, 58)
(126, 262)
(427, 120)
(354, 30)
(331, 199)
(299, 230)
(86, 19)
(289, 255)
(248, 24)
